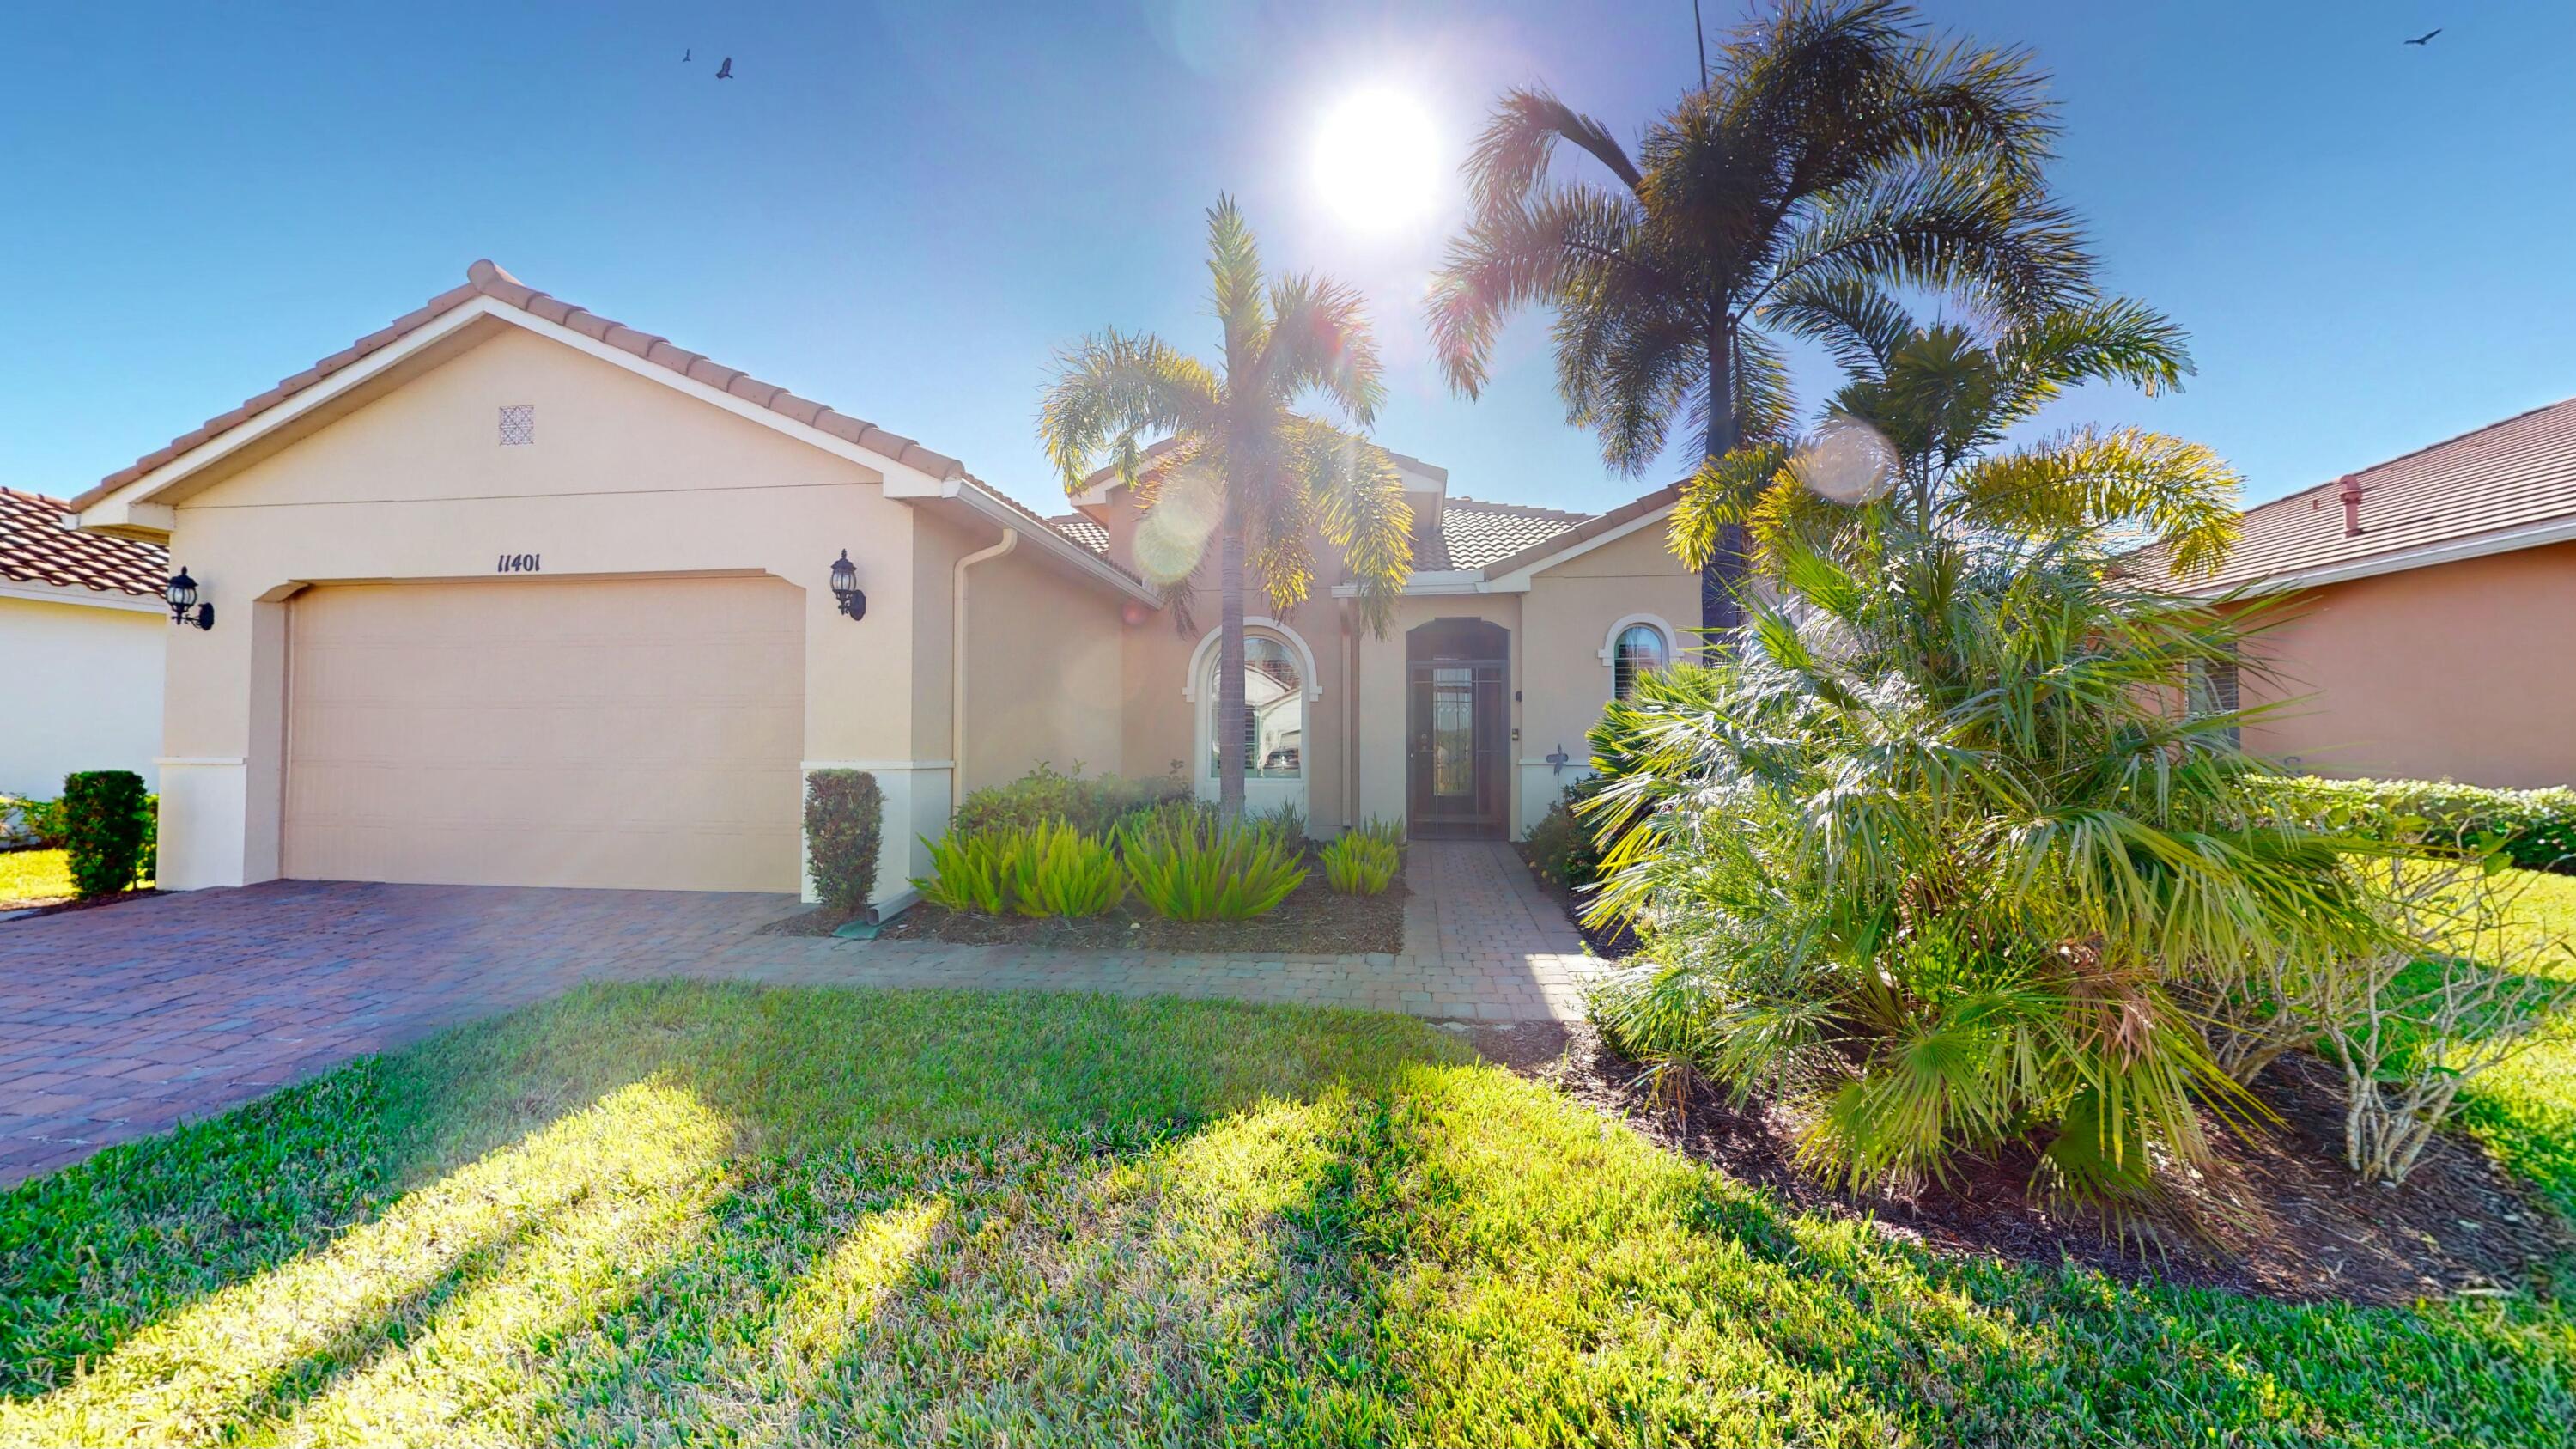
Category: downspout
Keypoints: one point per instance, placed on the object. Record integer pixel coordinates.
(957, 664)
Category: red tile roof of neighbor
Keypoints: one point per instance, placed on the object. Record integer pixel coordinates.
(2504, 477)
(35, 548)
(1082, 530)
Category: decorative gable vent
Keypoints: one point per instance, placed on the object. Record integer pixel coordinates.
(518, 424)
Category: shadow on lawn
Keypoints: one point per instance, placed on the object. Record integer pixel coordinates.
(692, 1213)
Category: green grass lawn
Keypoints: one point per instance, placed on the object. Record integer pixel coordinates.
(2526, 1109)
(702, 1214)
(31, 877)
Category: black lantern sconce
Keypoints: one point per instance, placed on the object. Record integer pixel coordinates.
(184, 608)
(845, 587)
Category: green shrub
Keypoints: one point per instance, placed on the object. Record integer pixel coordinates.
(1052, 869)
(1387, 832)
(1190, 866)
(104, 819)
(1359, 865)
(844, 818)
(1093, 805)
(2536, 829)
(966, 873)
(28, 821)
(1562, 845)
(1286, 824)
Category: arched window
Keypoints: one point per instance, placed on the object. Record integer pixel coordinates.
(1274, 733)
(1641, 647)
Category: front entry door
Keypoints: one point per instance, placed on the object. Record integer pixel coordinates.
(1458, 727)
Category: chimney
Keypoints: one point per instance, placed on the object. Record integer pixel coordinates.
(2350, 493)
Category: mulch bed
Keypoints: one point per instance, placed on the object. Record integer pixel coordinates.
(30, 910)
(1315, 920)
(2279, 1217)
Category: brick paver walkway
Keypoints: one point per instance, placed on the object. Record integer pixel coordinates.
(121, 1021)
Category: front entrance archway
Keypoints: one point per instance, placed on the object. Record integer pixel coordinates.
(1458, 729)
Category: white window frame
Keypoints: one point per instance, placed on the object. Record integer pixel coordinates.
(1610, 643)
(1258, 794)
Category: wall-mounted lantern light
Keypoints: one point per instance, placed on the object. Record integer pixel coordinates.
(184, 608)
(845, 587)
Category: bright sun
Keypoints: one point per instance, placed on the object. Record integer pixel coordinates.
(1377, 160)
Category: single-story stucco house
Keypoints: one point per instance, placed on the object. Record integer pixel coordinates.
(2434, 632)
(82, 624)
(509, 593)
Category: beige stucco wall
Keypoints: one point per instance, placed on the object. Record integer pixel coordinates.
(1043, 658)
(1571, 611)
(2463, 670)
(80, 689)
(626, 477)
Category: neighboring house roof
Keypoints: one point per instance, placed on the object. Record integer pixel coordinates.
(2507, 485)
(485, 280)
(1083, 530)
(1472, 533)
(36, 548)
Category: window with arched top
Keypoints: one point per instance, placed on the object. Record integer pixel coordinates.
(1640, 648)
(1274, 731)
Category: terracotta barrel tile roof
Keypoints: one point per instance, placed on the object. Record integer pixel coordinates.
(35, 548)
(2509, 475)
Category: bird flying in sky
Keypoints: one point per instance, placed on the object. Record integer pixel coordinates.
(684, 55)
(725, 71)
(2427, 37)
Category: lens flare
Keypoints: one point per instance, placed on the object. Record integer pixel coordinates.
(1847, 461)
(1172, 536)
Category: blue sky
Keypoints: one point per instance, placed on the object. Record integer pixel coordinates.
(901, 209)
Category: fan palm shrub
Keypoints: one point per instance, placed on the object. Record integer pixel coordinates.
(1837, 148)
(1919, 441)
(1198, 866)
(1242, 461)
(1936, 853)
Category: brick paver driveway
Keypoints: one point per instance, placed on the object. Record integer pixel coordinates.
(121, 1021)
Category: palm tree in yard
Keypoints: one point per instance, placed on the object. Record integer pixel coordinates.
(1836, 151)
(1241, 461)
(1939, 402)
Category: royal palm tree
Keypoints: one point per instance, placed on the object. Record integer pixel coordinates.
(1939, 402)
(1238, 459)
(1835, 147)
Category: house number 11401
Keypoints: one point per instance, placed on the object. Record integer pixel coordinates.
(517, 563)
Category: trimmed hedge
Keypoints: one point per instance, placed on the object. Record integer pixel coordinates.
(106, 823)
(844, 826)
(2535, 828)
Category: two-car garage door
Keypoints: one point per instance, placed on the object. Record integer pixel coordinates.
(640, 733)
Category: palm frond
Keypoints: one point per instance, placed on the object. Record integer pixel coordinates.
(2180, 494)
(1320, 341)
(1360, 509)
(1511, 155)
(1113, 386)
(1234, 294)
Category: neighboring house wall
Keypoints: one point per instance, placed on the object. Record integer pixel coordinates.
(624, 479)
(2465, 671)
(83, 681)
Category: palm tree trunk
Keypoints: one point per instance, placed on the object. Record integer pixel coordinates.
(1232, 721)
(1719, 577)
